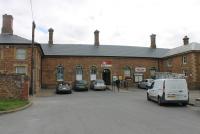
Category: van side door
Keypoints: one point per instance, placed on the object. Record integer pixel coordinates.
(151, 90)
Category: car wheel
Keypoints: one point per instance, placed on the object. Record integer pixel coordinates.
(160, 101)
(148, 97)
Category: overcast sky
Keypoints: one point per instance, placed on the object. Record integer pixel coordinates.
(120, 22)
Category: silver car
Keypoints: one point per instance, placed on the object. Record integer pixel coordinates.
(98, 85)
(145, 83)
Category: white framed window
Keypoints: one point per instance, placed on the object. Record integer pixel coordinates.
(169, 62)
(152, 72)
(21, 54)
(127, 72)
(79, 73)
(184, 59)
(93, 73)
(60, 73)
(20, 70)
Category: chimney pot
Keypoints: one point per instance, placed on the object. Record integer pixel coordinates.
(185, 40)
(51, 36)
(96, 38)
(7, 25)
(153, 40)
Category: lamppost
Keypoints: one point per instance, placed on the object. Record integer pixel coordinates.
(32, 59)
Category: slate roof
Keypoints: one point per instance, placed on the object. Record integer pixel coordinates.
(182, 49)
(102, 50)
(13, 39)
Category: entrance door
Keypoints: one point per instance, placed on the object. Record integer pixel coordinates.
(106, 76)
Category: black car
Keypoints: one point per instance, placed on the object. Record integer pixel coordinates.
(81, 85)
(63, 88)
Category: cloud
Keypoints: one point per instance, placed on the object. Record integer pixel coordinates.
(121, 22)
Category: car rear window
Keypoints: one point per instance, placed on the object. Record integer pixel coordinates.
(99, 81)
(81, 82)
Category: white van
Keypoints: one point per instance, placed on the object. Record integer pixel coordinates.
(169, 91)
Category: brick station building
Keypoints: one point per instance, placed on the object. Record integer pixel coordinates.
(70, 62)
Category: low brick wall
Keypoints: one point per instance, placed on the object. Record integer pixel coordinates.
(14, 86)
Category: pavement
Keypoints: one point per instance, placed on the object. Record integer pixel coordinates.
(194, 94)
(101, 112)
(46, 93)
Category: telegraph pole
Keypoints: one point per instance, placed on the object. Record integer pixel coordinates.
(32, 59)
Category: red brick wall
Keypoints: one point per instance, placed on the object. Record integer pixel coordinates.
(14, 86)
(8, 62)
(118, 63)
(192, 68)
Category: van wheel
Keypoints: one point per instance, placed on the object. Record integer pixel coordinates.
(184, 104)
(160, 101)
(148, 97)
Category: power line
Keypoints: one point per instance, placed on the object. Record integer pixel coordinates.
(31, 9)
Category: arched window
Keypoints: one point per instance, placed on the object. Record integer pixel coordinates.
(93, 73)
(79, 72)
(127, 72)
(152, 72)
(60, 73)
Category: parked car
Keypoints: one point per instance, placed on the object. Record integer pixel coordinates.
(81, 85)
(169, 91)
(63, 88)
(98, 85)
(145, 83)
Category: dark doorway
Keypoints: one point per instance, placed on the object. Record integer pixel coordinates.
(106, 76)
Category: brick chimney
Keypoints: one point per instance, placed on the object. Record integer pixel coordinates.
(96, 38)
(185, 40)
(7, 25)
(153, 41)
(51, 36)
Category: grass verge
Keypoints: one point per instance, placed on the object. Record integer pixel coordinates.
(12, 104)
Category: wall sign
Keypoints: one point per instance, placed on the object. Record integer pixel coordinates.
(106, 64)
(138, 77)
(114, 78)
(140, 69)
